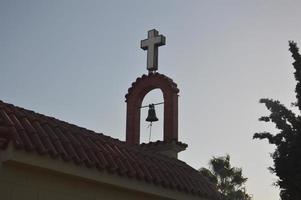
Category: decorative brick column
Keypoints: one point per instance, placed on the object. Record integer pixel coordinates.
(134, 98)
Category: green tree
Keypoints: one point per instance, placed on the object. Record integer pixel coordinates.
(287, 155)
(229, 180)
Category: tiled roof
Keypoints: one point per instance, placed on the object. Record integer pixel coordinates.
(45, 135)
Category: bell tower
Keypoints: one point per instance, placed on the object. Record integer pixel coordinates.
(144, 85)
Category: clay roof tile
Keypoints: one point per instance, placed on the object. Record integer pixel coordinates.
(31, 131)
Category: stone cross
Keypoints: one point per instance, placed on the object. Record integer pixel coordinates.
(151, 44)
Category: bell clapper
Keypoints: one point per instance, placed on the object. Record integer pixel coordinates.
(150, 131)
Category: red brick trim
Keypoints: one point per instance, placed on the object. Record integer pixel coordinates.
(135, 96)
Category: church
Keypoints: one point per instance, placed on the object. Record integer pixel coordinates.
(44, 158)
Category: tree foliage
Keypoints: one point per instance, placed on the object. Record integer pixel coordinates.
(287, 155)
(229, 180)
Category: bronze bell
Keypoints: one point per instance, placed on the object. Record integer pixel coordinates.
(151, 114)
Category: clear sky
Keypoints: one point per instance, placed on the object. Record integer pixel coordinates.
(75, 60)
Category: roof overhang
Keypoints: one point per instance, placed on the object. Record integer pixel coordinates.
(12, 156)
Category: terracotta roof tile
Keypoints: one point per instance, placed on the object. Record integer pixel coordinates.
(31, 131)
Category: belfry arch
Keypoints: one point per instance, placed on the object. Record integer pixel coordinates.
(134, 98)
(152, 131)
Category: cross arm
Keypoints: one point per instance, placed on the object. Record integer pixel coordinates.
(144, 44)
(161, 40)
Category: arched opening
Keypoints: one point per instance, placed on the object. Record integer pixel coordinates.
(134, 98)
(154, 96)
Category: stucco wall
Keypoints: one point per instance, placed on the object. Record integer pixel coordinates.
(19, 182)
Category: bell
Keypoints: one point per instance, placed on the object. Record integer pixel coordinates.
(151, 114)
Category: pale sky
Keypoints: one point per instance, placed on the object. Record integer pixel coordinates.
(74, 60)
